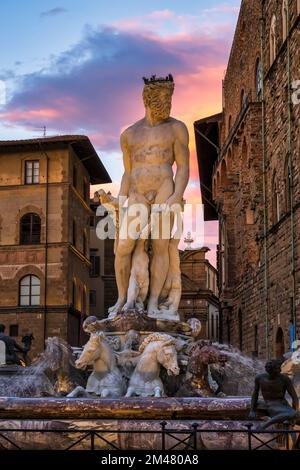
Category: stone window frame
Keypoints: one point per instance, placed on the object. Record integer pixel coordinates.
(31, 286)
(27, 210)
(273, 39)
(258, 79)
(33, 161)
(224, 174)
(35, 237)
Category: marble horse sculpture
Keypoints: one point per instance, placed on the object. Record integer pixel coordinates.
(106, 380)
(157, 349)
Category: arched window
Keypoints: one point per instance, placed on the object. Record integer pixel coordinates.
(30, 291)
(280, 350)
(224, 179)
(276, 201)
(30, 229)
(258, 79)
(240, 322)
(273, 40)
(285, 20)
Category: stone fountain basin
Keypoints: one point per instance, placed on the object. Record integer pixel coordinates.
(139, 414)
(229, 408)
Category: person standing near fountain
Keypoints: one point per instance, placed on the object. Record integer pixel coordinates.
(11, 346)
(150, 148)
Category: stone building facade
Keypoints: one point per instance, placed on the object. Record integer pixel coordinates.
(199, 297)
(44, 235)
(249, 161)
(103, 287)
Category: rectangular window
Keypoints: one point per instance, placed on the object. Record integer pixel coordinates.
(32, 172)
(13, 330)
(93, 298)
(95, 265)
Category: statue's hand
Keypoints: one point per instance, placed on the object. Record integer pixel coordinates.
(252, 414)
(106, 198)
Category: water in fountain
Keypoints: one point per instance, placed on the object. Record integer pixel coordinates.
(238, 373)
(51, 374)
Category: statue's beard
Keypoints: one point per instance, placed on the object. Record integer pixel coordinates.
(160, 110)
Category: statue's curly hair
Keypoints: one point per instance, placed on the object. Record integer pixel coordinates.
(151, 90)
(156, 337)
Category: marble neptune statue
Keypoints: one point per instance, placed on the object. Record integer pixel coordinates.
(147, 266)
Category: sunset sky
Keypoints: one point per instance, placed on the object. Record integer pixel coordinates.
(75, 66)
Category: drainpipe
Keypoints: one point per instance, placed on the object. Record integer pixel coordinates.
(291, 178)
(265, 196)
(46, 242)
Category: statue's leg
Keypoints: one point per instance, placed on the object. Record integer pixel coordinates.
(77, 392)
(159, 271)
(160, 239)
(288, 415)
(132, 293)
(105, 393)
(122, 270)
(157, 392)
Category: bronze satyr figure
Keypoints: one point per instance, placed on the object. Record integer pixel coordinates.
(273, 386)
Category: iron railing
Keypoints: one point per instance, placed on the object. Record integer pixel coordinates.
(284, 439)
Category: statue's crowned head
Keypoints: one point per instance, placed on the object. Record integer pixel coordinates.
(157, 96)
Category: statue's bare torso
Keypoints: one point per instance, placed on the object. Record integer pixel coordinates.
(151, 153)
